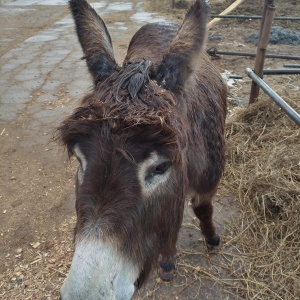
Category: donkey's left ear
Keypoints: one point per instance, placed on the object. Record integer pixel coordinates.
(94, 39)
(184, 53)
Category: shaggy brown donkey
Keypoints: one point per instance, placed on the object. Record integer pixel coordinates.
(149, 136)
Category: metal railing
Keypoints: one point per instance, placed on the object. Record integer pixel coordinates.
(274, 96)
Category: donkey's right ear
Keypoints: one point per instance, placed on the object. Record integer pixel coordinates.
(94, 39)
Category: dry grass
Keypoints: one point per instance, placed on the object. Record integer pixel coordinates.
(263, 171)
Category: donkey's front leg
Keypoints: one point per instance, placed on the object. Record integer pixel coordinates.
(203, 210)
(167, 261)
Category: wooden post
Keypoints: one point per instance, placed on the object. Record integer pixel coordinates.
(224, 12)
(265, 30)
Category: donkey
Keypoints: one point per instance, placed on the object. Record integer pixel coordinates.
(147, 137)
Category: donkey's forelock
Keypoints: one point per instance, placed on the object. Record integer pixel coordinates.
(128, 101)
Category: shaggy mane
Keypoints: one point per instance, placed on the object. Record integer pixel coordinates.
(128, 99)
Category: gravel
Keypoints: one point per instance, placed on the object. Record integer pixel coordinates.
(279, 35)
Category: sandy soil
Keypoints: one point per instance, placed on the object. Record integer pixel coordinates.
(36, 177)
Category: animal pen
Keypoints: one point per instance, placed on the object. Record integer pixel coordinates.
(257, 74)
(263, 172)
(259, 196)
(263, 166)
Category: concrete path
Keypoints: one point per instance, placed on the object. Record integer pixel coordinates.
(48, 62)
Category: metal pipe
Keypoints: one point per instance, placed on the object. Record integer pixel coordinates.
(264, 36)
(281, 71)
(292, 65)
(235, 77)
(270, 72)
(254, 17)
(215, 52)
(274, 96)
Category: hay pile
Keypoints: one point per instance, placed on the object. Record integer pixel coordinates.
(263, 171)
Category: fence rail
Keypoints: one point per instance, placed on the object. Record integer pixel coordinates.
(274, 96)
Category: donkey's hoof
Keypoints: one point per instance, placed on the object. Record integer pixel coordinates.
(166, 276)
(166, 271)
(214, 242)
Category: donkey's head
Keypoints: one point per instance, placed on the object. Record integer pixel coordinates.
(129, 136)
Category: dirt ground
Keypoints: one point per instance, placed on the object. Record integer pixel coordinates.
(42, 79)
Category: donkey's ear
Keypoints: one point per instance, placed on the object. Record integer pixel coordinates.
(182, 58)
(94, 39)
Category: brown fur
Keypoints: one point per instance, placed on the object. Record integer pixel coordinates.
(168, 97)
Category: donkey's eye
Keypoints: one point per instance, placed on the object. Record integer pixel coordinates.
(158, 170)
(162, 168)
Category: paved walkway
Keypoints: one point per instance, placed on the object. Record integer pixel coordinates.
(48, 62)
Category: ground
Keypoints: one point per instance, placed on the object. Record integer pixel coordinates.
(42, 80)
